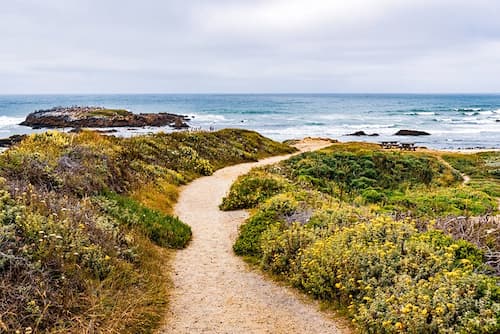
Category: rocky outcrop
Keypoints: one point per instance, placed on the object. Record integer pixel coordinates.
(8, 142)
(99, 117)
(106, 131)
(362, 133)
(411, 133)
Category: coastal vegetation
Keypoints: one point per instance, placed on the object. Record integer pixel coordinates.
(396, 241)
(105, 112)
(86, 224)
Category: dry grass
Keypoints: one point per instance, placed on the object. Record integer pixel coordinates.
(118, 307)
(77, 252)
(160, 195)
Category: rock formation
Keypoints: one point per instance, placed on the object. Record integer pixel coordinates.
(8, 142)
(362, 133)
(411, 133)
(99, 117)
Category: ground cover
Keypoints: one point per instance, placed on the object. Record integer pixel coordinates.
(364, 230)
(81, 247)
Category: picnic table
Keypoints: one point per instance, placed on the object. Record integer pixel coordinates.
(407, 146)
(389, 144)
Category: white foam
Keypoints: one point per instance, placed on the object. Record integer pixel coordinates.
(467, 109)
(368, 126)
(8, 121)
(494, 113)
(208, 118)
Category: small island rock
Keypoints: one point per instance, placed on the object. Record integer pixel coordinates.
(411, 133)
(99, 117)
(362, 133)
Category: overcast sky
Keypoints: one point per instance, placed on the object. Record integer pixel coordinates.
(198, 46)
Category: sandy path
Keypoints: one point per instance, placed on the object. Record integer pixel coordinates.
(213, 290)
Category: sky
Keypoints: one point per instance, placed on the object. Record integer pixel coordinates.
(249, 46)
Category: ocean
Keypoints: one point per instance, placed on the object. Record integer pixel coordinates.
(454, 121)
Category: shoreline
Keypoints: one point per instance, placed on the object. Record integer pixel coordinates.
(142, 131)
(453, 121)
(470, 150)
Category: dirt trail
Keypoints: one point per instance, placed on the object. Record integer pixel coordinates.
(213, 290)
(465, 177)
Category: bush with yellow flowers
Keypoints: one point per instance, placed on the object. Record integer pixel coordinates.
(385, 272)
(354, 228)
(81, 216)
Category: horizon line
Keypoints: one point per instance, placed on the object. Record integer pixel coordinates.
(256, 93)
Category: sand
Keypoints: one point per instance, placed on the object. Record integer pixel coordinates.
(214, 291)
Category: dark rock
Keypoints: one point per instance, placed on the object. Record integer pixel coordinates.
(362, 133)
(358, 133)
(99, 117)
(411, 133)
(179, 124)
(78, 130)
(8, 142)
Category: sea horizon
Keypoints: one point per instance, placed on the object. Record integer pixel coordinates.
(454, 120)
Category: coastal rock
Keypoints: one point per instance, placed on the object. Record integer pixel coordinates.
(362, 133)
(99, 117)
(78, 130)
(411, 133)
(8, 142)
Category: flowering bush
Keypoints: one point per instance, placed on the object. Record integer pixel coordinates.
(336, 233)
(78, 218)
(390, 277)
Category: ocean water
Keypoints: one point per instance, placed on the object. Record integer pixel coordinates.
(454, 121)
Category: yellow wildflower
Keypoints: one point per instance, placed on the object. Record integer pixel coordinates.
(439, 310)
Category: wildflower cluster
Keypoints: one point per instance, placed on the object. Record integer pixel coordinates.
(80, 215)
(334, 233)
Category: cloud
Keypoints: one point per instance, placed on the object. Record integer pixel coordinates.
(249, 46)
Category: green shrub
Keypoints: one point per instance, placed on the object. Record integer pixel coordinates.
(389, 276)
(164, 230)
(444, 202)
(253, 188)
(353, 173)
(373, 196)
(272, 211)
